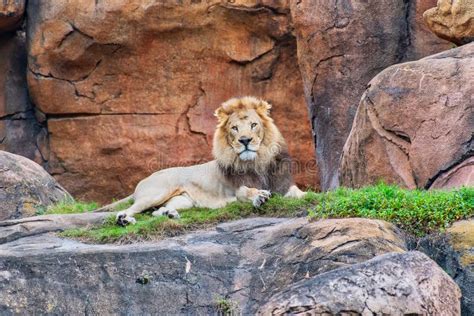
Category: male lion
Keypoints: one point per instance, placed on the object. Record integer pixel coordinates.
(251, 160)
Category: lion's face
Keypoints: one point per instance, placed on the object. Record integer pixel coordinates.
(244, 131)
(246, 137)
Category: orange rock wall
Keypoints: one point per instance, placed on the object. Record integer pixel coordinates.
(129, 88)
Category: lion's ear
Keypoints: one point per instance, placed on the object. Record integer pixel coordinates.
(221, 115)
(263, 108)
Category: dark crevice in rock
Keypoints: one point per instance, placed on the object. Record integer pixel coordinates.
(66, 36)
(453, 164)
(400, 142)
(313, 101)
(50, 76)
(23, 127)
(255, 59)
(20, 115)
(400, 134)
(312, 104)
(187, 119)
(254, 9)
(404, 41)
(75, 29)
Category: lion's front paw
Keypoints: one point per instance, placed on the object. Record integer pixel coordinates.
(261, 197)
(123, 219)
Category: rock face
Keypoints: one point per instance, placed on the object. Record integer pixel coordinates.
(135, 84)
(11, 14)
(24, 185)
(454, 252)
(452, 20)
(246, 262)
(340, 49)
(392, 284)
(20, 131)
(414, 125)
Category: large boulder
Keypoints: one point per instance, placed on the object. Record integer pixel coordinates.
(341, 46)
(414, 125)
(11, 14)
(393, 284)
(242, 263)
(454, 252)
(21, 131)
(135, 84)
(25, 186)
(452, 20)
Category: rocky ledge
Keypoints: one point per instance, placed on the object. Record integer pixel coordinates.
(263, 265)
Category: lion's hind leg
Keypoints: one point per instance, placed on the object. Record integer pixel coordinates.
(141, 204)
(176, 203)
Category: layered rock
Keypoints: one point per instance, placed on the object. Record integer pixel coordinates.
(243, 262)
(11, 14)
(340, 48)
(130, 88)
(393, 284)
(414, 125)
(25, 186)
(21, 130)
(452, 20)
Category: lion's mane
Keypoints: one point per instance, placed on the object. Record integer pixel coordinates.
(272, 145)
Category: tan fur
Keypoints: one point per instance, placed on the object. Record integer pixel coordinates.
(206, 185)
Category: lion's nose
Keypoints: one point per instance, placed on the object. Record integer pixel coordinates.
(245, 140)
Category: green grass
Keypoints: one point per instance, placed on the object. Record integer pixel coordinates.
(418, 212)
(124, 205)
(226, 307)
(149, 227)
(75, 207)
(67, 207)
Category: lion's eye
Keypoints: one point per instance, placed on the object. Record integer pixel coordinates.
(235, 128)
(253, 125)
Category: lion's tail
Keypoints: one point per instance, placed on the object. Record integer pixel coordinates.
(111, 207)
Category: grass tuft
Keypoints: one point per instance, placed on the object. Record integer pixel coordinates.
(226, 307)
(75, 207)
(418, 212)
(67, 207)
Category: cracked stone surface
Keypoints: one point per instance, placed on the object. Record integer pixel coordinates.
(340, 49)
(135, 84)
(24, 186)
(452, 20)
(20, 130)
(246, 262)
(392, 284)
(414, 125)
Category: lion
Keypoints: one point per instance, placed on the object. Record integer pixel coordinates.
(251, 162)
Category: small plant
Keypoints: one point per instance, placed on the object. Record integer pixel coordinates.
(226, 307)
(144, 278)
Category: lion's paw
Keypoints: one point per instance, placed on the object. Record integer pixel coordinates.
(261, 197)
(123, 219)
(166, 212)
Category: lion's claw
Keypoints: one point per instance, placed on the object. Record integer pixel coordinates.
(261, 197)
(123, 219)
